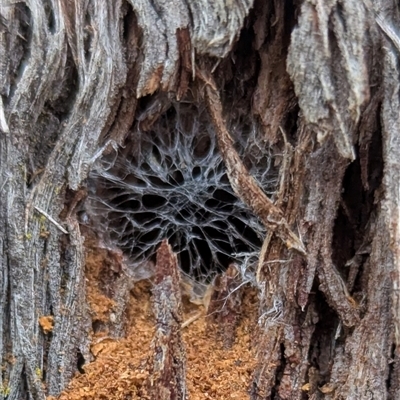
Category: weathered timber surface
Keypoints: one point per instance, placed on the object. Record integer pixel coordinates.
(71, 74)
(322, 80)
(340, 220)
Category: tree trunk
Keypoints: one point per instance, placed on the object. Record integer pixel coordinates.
(319, 81)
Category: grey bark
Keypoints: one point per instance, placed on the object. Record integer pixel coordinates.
(71, 76)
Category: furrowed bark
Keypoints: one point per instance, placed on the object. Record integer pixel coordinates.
(334, 201)
(44, 278)
(389, 260)
(309, 74)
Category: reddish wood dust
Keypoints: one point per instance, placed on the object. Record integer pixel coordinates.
(120, 368)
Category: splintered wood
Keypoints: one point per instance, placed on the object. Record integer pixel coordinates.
(225, 304)
(157, 358)
(167, 379)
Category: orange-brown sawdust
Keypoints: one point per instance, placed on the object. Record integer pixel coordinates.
(46, 323)
(217, 373)
(120, 368)
(96, 260)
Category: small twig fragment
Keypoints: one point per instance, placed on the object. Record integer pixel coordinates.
(193, 318)
(52, 220)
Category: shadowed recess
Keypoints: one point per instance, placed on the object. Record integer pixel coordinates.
(171, 182)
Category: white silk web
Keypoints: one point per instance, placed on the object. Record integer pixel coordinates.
(171, 182)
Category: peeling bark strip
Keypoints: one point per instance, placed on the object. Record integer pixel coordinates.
(243, 184)
(167, 379)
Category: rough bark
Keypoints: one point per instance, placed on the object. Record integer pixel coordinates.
(322, 80)
(168, 370)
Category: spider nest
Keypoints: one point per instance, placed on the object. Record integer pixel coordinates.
(170, 182)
